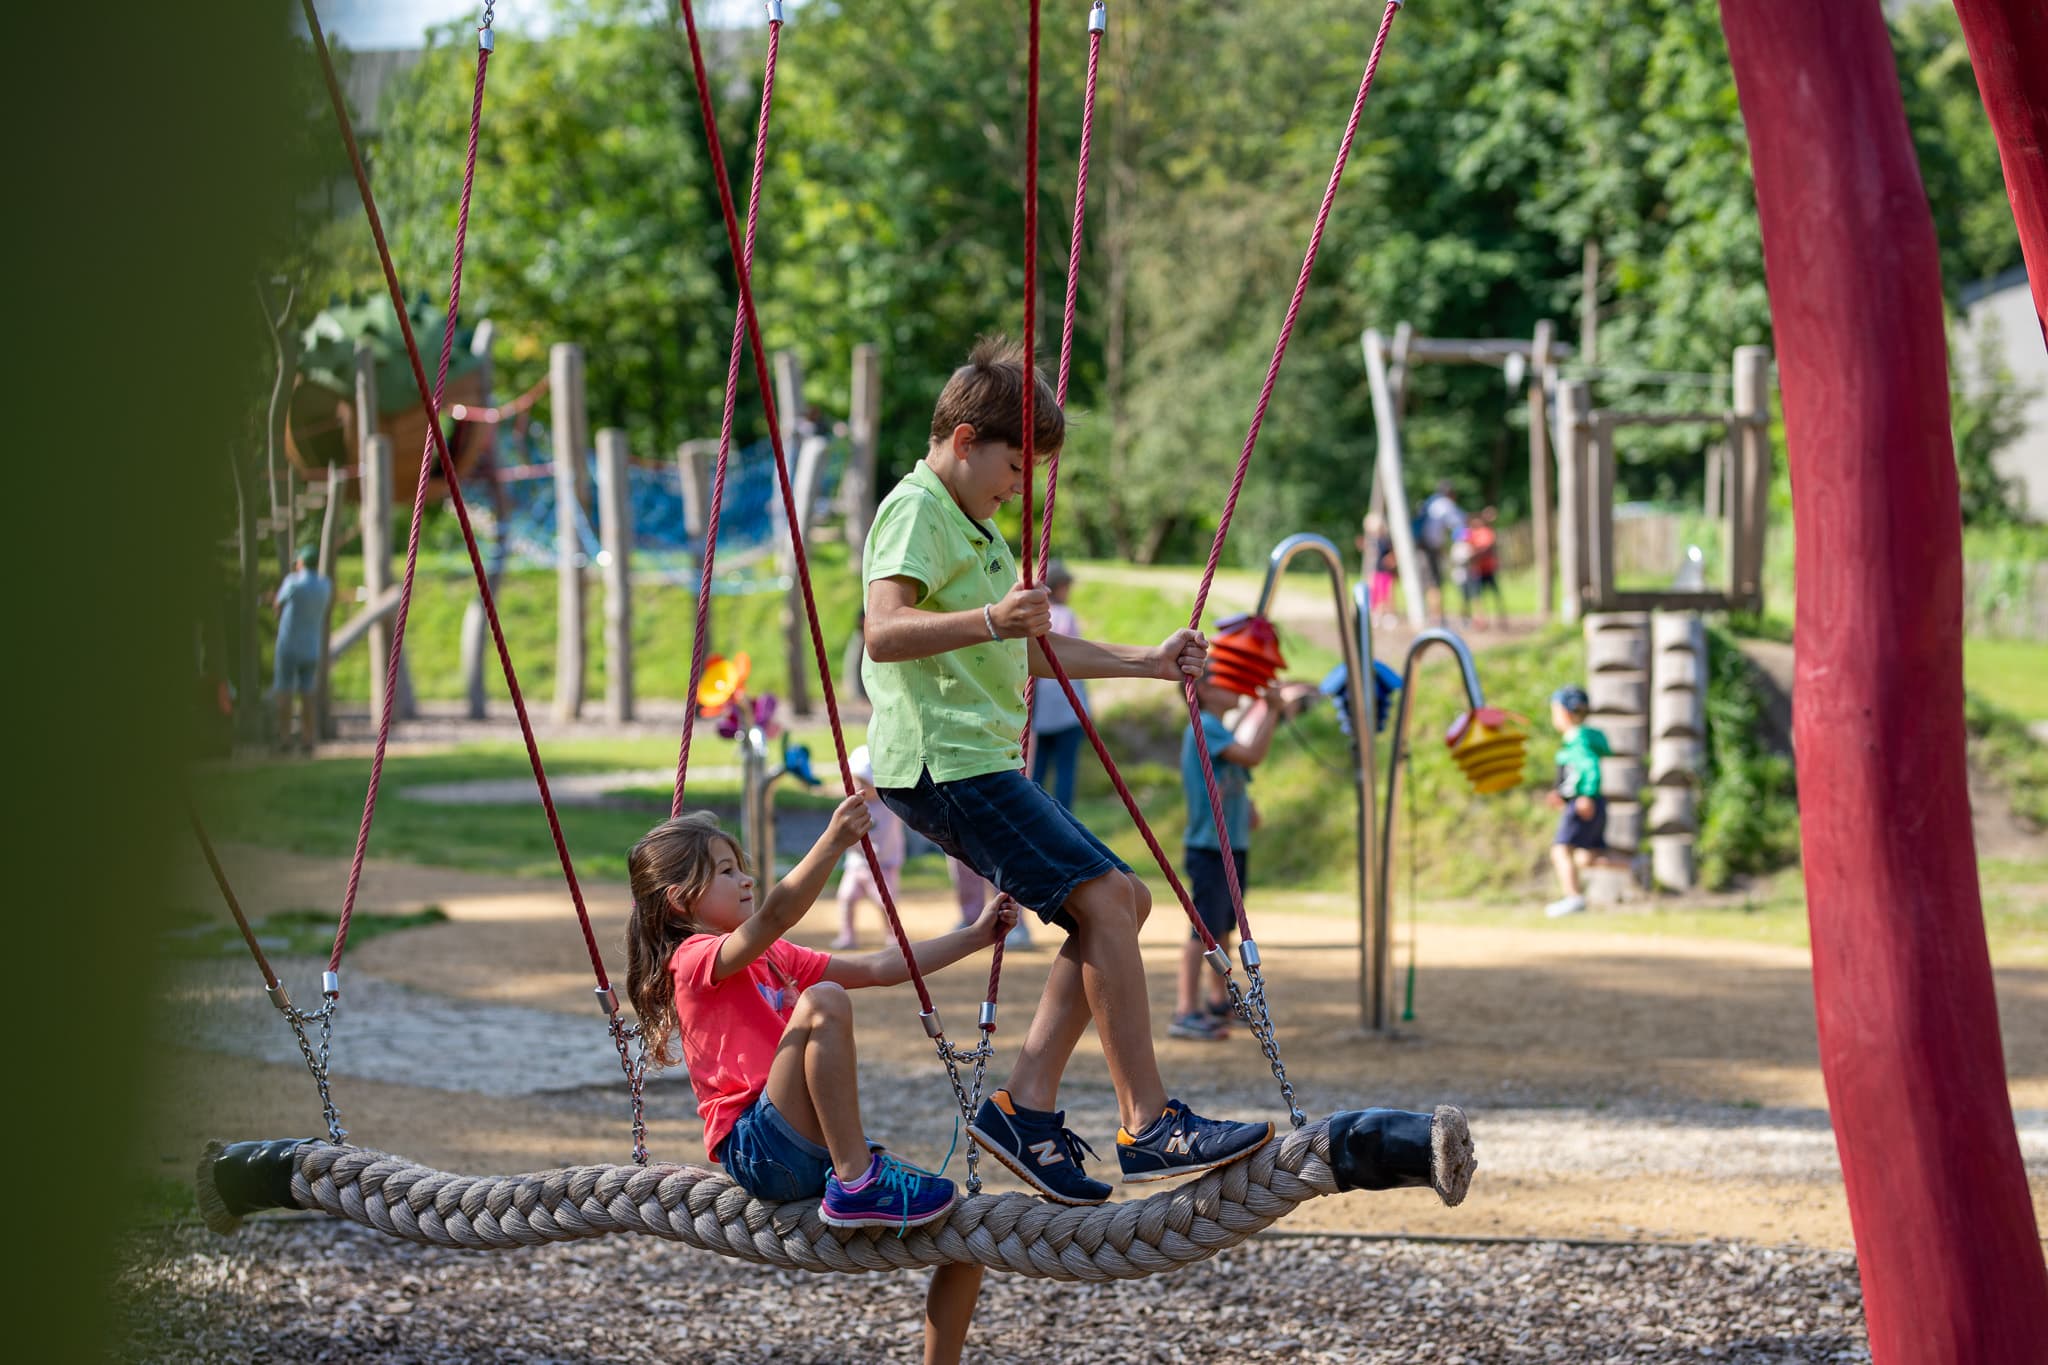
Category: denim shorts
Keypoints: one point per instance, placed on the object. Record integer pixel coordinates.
(291, 673)
(771, 1160)
(1590, 832)
(1209, 891)
(1011, 831)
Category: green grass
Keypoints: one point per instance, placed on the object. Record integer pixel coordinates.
(2011, 674)
(313, 807)
(664, 625)
(2003, 747)
(305, 933)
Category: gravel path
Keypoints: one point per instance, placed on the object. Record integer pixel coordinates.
(287, 1290)
(403, 1036)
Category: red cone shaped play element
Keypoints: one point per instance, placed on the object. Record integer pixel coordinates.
(1244, 656)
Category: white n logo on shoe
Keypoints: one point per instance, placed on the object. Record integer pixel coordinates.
(1177, 1145)
(1048, 1151)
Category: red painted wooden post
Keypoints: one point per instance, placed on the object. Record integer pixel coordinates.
(2008, 42)
(1909, 1041)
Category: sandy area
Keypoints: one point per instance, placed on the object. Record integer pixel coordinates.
(1619, 1085)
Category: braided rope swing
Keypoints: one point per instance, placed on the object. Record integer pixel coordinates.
(1016, 1232)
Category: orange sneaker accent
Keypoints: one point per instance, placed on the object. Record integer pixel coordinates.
(1001, 1100)
(1123, 1136)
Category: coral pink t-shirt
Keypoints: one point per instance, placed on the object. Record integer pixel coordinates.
(730, 1029)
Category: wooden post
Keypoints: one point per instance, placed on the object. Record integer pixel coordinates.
(789, 397)
(1397, 367)
(693, 468)
(1717, 473)
(865, 423)
(1598, 527)
(571, 438)
(376, 540)
(323, 701)
(1947, 1244)
(615, 525)
(475, 628)
(1539, 468)
(1752, 488)
(1574, 402)
(1387, 475)
(1589, 304)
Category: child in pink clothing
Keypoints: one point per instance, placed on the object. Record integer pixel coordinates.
(766, 1029)
(857, 879)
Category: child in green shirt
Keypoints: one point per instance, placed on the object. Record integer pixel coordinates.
(1581, 839)
(949, 634)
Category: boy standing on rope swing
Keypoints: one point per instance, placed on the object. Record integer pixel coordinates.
(949, 651)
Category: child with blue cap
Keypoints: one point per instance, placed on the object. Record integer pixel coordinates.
(1581, 839)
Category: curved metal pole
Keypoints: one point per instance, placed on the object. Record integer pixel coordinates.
(1356, 638)
(1473, 693)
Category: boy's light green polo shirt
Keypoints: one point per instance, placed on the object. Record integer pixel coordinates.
(961, 713)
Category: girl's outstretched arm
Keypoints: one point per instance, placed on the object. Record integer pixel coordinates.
(788, 900)
(886, 967)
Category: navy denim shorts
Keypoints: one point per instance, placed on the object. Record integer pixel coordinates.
(1011, 831)
(1587, 833)
(1209, 891)
(771, 1160)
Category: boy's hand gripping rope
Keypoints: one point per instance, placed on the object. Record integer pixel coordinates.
(437, 447)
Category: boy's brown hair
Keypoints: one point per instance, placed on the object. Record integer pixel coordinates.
(987, 393)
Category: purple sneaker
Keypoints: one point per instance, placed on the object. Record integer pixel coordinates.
(891, 1193)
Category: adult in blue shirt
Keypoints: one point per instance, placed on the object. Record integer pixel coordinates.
(302, 601)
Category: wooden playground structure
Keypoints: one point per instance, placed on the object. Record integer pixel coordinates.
(1572, 480)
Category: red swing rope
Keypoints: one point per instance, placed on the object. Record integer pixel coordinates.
(1216, 549)
(1251, 439)
(803, 571)
(430, 397)
(1098, 22)
(709, 556)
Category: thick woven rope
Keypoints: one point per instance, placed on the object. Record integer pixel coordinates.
(1015, 1232)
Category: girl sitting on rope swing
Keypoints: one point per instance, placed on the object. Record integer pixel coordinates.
(764, 1025)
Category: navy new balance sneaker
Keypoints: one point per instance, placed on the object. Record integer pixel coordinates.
(1039, 1148)
(1181, 1142)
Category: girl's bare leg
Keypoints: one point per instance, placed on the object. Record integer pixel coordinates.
(949, 1311)
(813, 1082)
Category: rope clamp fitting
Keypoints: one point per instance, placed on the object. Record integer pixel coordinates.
(775, 11)
(1098, 18)
(1219, 958)
(330, 985)
(932, 1027)
(1248, 953)
(279, 997)
(484, 41)
(988, 1016)
(608, 998)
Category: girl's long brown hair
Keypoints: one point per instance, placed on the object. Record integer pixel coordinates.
(680, 855)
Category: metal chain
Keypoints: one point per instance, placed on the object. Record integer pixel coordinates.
(490, 9)
(317, 1058)
(969, 1096)
(1251, 1006)
(632, 1046)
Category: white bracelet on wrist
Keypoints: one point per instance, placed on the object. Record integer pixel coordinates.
(988, 614)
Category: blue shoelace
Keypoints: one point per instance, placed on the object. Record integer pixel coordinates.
(902, 1177)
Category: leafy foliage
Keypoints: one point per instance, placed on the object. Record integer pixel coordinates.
(1498, 142)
